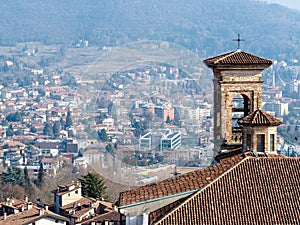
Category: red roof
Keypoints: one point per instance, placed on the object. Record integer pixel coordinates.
(260, 189)
(236, 58)
(187, 182)
(259, 118)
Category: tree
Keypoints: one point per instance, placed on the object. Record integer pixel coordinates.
(26, 179)
(8, 190)
(56, 128)
(14, 117)
(40, 178)
(93, 186)
(109, 148)
(19, 132)
(69, 122)
(62, 123)
(138, 129)
(9, 131)
(102, 135)
(14, 176)
(110, 108)
(33, 130)
(168, 120)
(48, 130)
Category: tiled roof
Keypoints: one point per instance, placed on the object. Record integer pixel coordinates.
(236, 58)
(66, 189)
(29, 216)
(260, 189)
(81, 202)
(109, 216)
(186, 182)
(259, 118)
(159, 213)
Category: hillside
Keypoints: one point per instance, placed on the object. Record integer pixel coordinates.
(200, 25)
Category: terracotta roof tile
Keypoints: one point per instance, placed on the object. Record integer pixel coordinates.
(109, 216)
(159, 213)
(236, 58)
(29, 216)
(81, 202)
(261, 189)
(186, 182)
(259, 118)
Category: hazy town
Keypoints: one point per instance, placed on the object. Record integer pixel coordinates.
(97, 133)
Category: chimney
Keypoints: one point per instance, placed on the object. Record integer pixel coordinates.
(26, 198)
(4, 216)
(46, 207)
(41, 212)
(115, 208)
(29, 205)
(22, 208)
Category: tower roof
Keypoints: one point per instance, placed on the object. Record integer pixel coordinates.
(259, 118)
(237, 58)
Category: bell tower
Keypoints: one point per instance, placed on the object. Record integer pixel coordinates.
(237, 93)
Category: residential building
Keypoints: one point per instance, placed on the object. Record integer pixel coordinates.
(64, 195)
(22, 212)
(69, 202)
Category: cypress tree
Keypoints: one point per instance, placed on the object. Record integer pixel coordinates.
(69, 122)
(40, 178)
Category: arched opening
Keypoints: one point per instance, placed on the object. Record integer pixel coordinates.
(240, 109)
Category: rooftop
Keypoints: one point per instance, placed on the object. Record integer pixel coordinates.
(29, 216)
(236, 58)
(191, 181)
(260, 189)
(259, 118)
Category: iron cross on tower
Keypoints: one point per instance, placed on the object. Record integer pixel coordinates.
(239, 41)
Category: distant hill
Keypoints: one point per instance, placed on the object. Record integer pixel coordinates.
(207, 27)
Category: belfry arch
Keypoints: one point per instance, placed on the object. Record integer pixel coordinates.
(241, 106)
